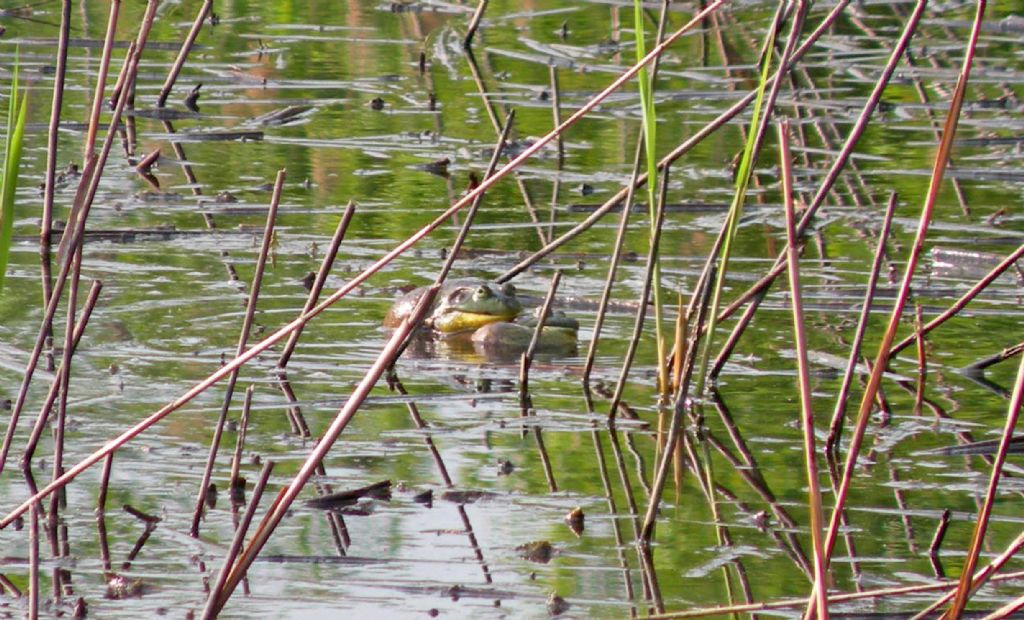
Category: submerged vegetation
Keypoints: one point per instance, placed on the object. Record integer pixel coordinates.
(249, 191)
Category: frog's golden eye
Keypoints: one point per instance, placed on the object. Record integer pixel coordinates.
(483, 292)
(508, 289)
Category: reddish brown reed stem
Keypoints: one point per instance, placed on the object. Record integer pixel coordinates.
(321, 278)
(1007, 610)
(965, 299)
(295, 417)
(645, 294)
(556, 113)
(33, 562)
(474, 23)
(835, 430)
(243, 426)
(840, 162)
(101, 78)
(531, 349)
(210, 611)
(305, 317)
(679, 151)
(344, 416)
(821, 579)
(881, 360)
(186, 47)
(51, 146)
(966, 586)
(243, 339)
(51, 396)
(613, 264)
(65, 380)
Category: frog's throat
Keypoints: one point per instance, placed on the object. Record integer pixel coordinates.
(451, 322)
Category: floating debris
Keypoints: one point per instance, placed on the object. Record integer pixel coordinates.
(119, 587)
(336, 501)
(575, 520)
(466, 497)
(539, 551)
(557, 605)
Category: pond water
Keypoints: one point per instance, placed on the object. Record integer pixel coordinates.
(387, 91)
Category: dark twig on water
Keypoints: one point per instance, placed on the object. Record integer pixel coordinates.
(937, 538)
(980, 366)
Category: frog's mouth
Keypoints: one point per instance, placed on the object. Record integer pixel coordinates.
(460, 321)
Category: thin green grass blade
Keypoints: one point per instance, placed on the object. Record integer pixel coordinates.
(736, 209)
(16, 116)
(646, 88)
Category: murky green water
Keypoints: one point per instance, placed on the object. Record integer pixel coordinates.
(170, 311)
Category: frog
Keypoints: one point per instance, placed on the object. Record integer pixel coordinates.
(461, 306)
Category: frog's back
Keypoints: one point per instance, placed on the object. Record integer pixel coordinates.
(403, 307)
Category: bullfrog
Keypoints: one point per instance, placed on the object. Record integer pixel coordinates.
(486, 317)
(460, 306)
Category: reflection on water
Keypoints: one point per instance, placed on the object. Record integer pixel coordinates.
(360, 101)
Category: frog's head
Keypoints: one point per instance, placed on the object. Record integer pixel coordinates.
(468, 307)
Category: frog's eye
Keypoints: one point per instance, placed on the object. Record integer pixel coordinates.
(483, 292)
(508, 289)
